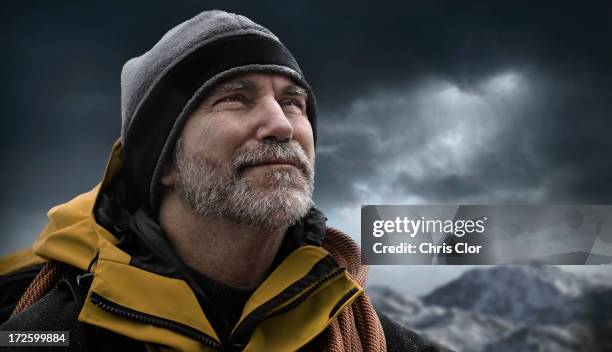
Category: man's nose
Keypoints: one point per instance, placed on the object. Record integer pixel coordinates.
(273, 123)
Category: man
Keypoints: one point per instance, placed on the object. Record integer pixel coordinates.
(202, 234)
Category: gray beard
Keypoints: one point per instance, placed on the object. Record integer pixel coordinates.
(282, 197)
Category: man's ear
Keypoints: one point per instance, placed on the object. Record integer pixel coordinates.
(168, 174)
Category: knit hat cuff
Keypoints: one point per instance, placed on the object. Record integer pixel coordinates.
(172, 93)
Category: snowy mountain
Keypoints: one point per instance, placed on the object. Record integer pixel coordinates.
(547, 338)
(528, 294)
(512, 308)
(455, 328)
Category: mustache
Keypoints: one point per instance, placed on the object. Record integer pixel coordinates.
(274, 152)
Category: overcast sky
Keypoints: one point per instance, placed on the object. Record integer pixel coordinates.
(432, 102)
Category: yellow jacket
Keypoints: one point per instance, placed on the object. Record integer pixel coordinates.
(295, 303)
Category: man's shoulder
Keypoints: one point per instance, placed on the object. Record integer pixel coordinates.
(58, 310)
(400, 338)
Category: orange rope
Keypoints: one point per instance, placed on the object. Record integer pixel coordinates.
(46, 279)
(357, 328)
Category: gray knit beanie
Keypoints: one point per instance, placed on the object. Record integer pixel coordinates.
(162, 87)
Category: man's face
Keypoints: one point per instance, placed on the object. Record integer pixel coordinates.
(247, 153)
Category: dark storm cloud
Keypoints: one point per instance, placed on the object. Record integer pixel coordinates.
(361, 45)
(513, 137)
(550, 144)
(410, 110)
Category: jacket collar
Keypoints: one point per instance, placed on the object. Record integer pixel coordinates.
(301, 297)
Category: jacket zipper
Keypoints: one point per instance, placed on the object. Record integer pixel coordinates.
(118, 310)
(124, 312)
(291, 305)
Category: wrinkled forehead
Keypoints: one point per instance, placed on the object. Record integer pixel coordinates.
(256, 81)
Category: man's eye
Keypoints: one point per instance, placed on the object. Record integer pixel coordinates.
(230, 99)
(294, 103)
